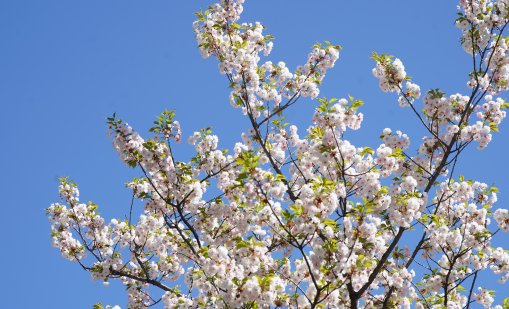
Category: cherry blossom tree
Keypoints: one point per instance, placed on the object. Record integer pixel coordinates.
(305, 219)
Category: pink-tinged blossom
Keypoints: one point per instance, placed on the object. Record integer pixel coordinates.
(502, 218)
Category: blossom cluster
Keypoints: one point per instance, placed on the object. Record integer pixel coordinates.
(238, 46)
(390, 72)
(482, 24)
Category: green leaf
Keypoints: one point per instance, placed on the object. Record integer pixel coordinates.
(355, 103)
(367, 150)
(494, 127)
(397, 153)
(331, 223)
(297, 210)
(436, 93)
(316, 133)
(505, 304)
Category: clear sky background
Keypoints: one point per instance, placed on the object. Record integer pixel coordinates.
(66, 65)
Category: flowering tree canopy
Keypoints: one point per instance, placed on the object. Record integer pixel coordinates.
(306, 219)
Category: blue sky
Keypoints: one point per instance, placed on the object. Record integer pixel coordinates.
(67, 65)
